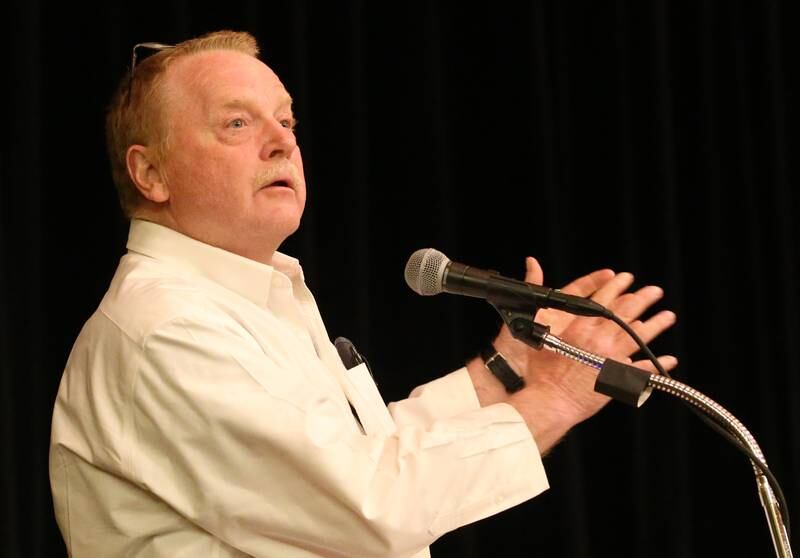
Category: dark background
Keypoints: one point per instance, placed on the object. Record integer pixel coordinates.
(644, 135)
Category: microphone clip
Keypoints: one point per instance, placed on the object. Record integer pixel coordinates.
(522, 326)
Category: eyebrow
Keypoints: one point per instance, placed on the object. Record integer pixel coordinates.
(285, 100)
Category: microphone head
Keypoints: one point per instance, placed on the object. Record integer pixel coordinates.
(425, 271)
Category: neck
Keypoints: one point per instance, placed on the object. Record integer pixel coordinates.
(263, 254)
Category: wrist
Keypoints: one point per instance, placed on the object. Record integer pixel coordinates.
(496, 363)
(493, 378)
(487, 388)
(547, 419)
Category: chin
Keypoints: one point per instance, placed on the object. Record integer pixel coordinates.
(279, 227)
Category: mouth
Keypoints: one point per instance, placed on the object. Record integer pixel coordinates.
(280, 183)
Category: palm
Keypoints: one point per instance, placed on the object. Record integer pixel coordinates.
(550, 371)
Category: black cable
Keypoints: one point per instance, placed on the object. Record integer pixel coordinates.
(719, 427)
(645, 349)
(773, 481)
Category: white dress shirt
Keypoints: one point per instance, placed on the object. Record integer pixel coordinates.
(204, 412)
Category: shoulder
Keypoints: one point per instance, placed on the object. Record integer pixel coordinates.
(146, 295)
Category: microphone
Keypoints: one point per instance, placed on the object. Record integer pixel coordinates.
(429, 272)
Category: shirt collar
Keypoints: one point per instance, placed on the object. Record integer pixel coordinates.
(249, 278)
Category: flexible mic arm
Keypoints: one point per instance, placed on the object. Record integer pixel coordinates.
(633, 386)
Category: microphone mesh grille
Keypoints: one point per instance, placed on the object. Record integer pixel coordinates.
(425, 271)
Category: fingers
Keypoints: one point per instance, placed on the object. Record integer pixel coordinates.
(617, 342)
(613, 288)
(533, 271)
(669, 362)
(589, 284)
(583, 286)
(608, 289)
(631, 305)
(655, 326)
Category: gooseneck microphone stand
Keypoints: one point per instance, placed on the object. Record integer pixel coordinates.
(429, 272)
(633, 386)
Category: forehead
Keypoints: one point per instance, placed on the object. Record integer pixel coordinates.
(221, 76)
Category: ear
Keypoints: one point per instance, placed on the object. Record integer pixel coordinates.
(146, 173)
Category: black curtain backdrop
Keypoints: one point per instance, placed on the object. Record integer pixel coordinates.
(651, 136)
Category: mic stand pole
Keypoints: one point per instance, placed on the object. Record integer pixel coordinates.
(633, 386)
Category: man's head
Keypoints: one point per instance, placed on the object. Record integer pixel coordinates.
(201, 140)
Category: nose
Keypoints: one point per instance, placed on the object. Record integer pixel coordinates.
(279, 141)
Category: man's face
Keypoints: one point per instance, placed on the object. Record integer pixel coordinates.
(232, 165)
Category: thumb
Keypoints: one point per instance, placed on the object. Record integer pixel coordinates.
(533, 271)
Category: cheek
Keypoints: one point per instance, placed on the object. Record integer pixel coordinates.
(201, 182)
(297, 161)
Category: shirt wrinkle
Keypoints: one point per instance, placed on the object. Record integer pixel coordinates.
(204, 411)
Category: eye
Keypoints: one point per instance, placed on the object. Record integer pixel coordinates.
(237, 123)
(289, 123)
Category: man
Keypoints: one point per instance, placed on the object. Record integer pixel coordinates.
(203, 410)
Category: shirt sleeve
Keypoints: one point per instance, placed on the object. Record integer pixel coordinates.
(443, 397)
(247, 449)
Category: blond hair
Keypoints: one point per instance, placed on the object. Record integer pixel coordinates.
(136, 113)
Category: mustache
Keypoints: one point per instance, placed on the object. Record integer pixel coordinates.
(278, 171)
